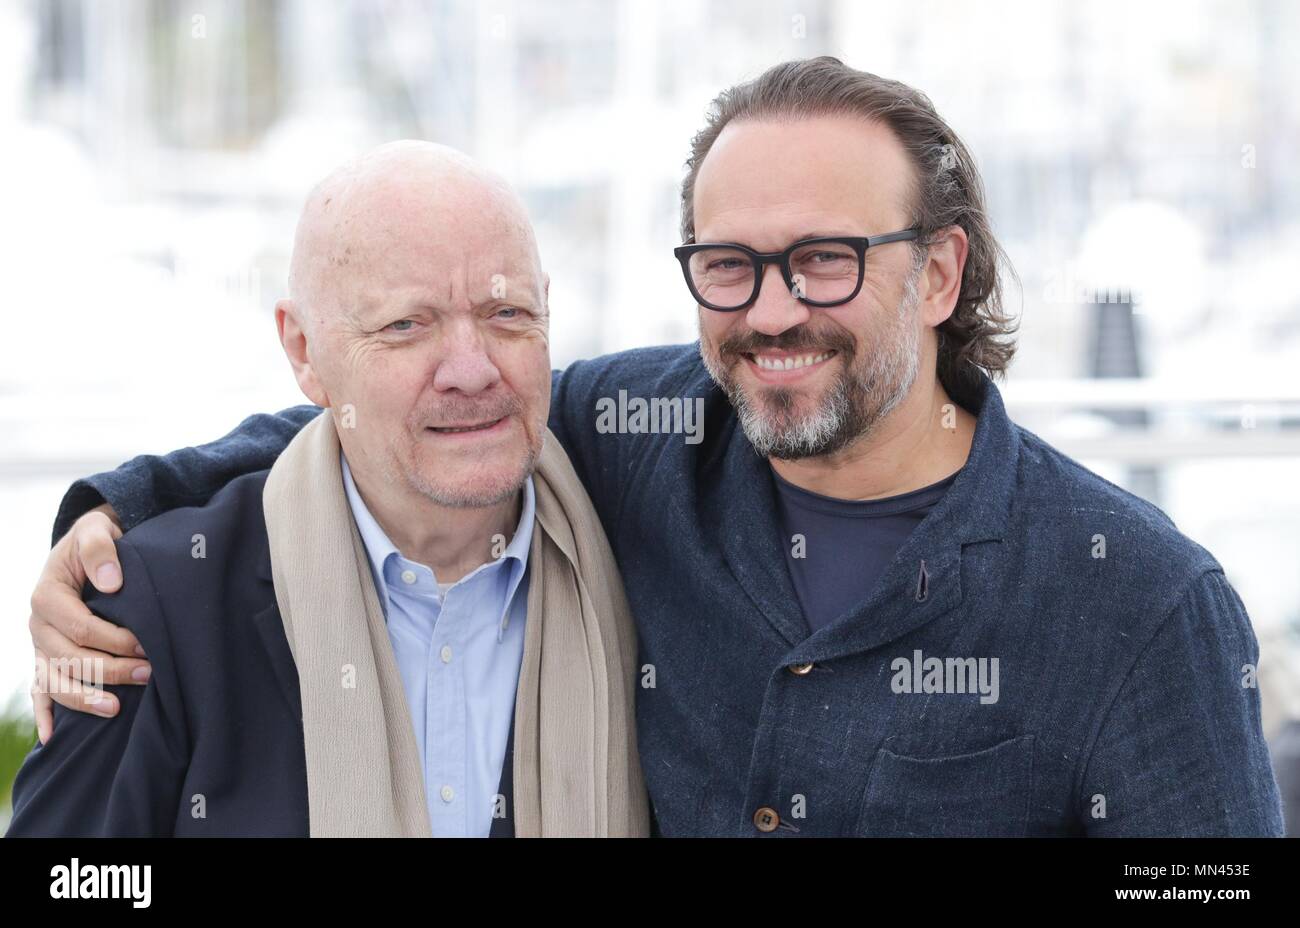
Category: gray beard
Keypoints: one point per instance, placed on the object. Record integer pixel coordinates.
(859, 400)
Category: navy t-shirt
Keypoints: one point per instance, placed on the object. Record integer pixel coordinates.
(847, 544)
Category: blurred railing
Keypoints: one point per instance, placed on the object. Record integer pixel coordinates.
(1184, 420)
(75, 433)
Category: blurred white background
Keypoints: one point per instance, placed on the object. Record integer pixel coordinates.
(1139, 159)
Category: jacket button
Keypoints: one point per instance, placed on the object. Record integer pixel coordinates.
(766, 819)
(800, 670)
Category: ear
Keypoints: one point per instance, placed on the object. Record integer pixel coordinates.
(293, 337)
(940, 283)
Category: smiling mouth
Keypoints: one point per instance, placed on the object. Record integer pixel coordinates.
(789, 363)
(454, 429)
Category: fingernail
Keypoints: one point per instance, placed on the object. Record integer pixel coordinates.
(106, 574)
(139, 651)
(141, 674)
(100, 703)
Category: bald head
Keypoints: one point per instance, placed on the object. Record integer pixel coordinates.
(418, 314)
(403, 202)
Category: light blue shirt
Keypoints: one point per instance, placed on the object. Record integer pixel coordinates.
(458, 648)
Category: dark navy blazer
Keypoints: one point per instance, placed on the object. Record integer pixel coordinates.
(1126, 702)
(213, 745)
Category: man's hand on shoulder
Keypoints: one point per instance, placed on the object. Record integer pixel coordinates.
(76, 650)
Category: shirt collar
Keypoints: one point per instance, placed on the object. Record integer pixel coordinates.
(379, 548)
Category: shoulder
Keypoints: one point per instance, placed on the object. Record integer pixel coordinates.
(231, 518)
(1064, 505)
(611, 414)
(665, 370)
(189, 560)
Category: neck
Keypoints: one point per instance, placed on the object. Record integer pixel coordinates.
(921, 442)
(451, 541)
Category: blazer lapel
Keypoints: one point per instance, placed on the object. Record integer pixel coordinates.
(270, 627)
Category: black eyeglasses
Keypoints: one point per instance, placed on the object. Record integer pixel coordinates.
(727, 277)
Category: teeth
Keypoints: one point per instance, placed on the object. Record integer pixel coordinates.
(790, 364)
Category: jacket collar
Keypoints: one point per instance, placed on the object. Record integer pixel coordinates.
(737, 495)
(921, 583)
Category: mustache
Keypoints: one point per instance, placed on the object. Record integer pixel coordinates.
(796, 339)
(464, 410)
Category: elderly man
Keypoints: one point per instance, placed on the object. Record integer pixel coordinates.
(339, 645)
(868, 602)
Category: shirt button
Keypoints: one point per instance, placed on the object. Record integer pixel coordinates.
(766, 819)
(447, 794)
(800, 670)
(408, 576)
(446, 654)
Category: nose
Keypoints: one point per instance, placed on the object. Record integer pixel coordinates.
(776, 309)
(464, 363)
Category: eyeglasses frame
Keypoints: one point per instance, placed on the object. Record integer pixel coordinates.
(859, 243)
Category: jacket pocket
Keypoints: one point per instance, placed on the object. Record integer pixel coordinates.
(982, 794)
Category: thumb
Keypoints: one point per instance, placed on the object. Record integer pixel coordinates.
(97, 553)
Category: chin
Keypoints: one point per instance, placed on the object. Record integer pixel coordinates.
(474, 487)
(787, 403)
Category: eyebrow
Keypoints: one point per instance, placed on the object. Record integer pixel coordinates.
(799, 238)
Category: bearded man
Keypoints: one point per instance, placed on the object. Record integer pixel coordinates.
(868, 603)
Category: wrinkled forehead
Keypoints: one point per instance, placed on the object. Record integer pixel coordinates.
(767, 180)
(412, 224)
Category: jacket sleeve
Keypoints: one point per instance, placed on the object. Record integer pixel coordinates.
(148, 485)
(1181, 751)
(118, 777)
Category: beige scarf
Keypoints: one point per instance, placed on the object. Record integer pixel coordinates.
(576, 771)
